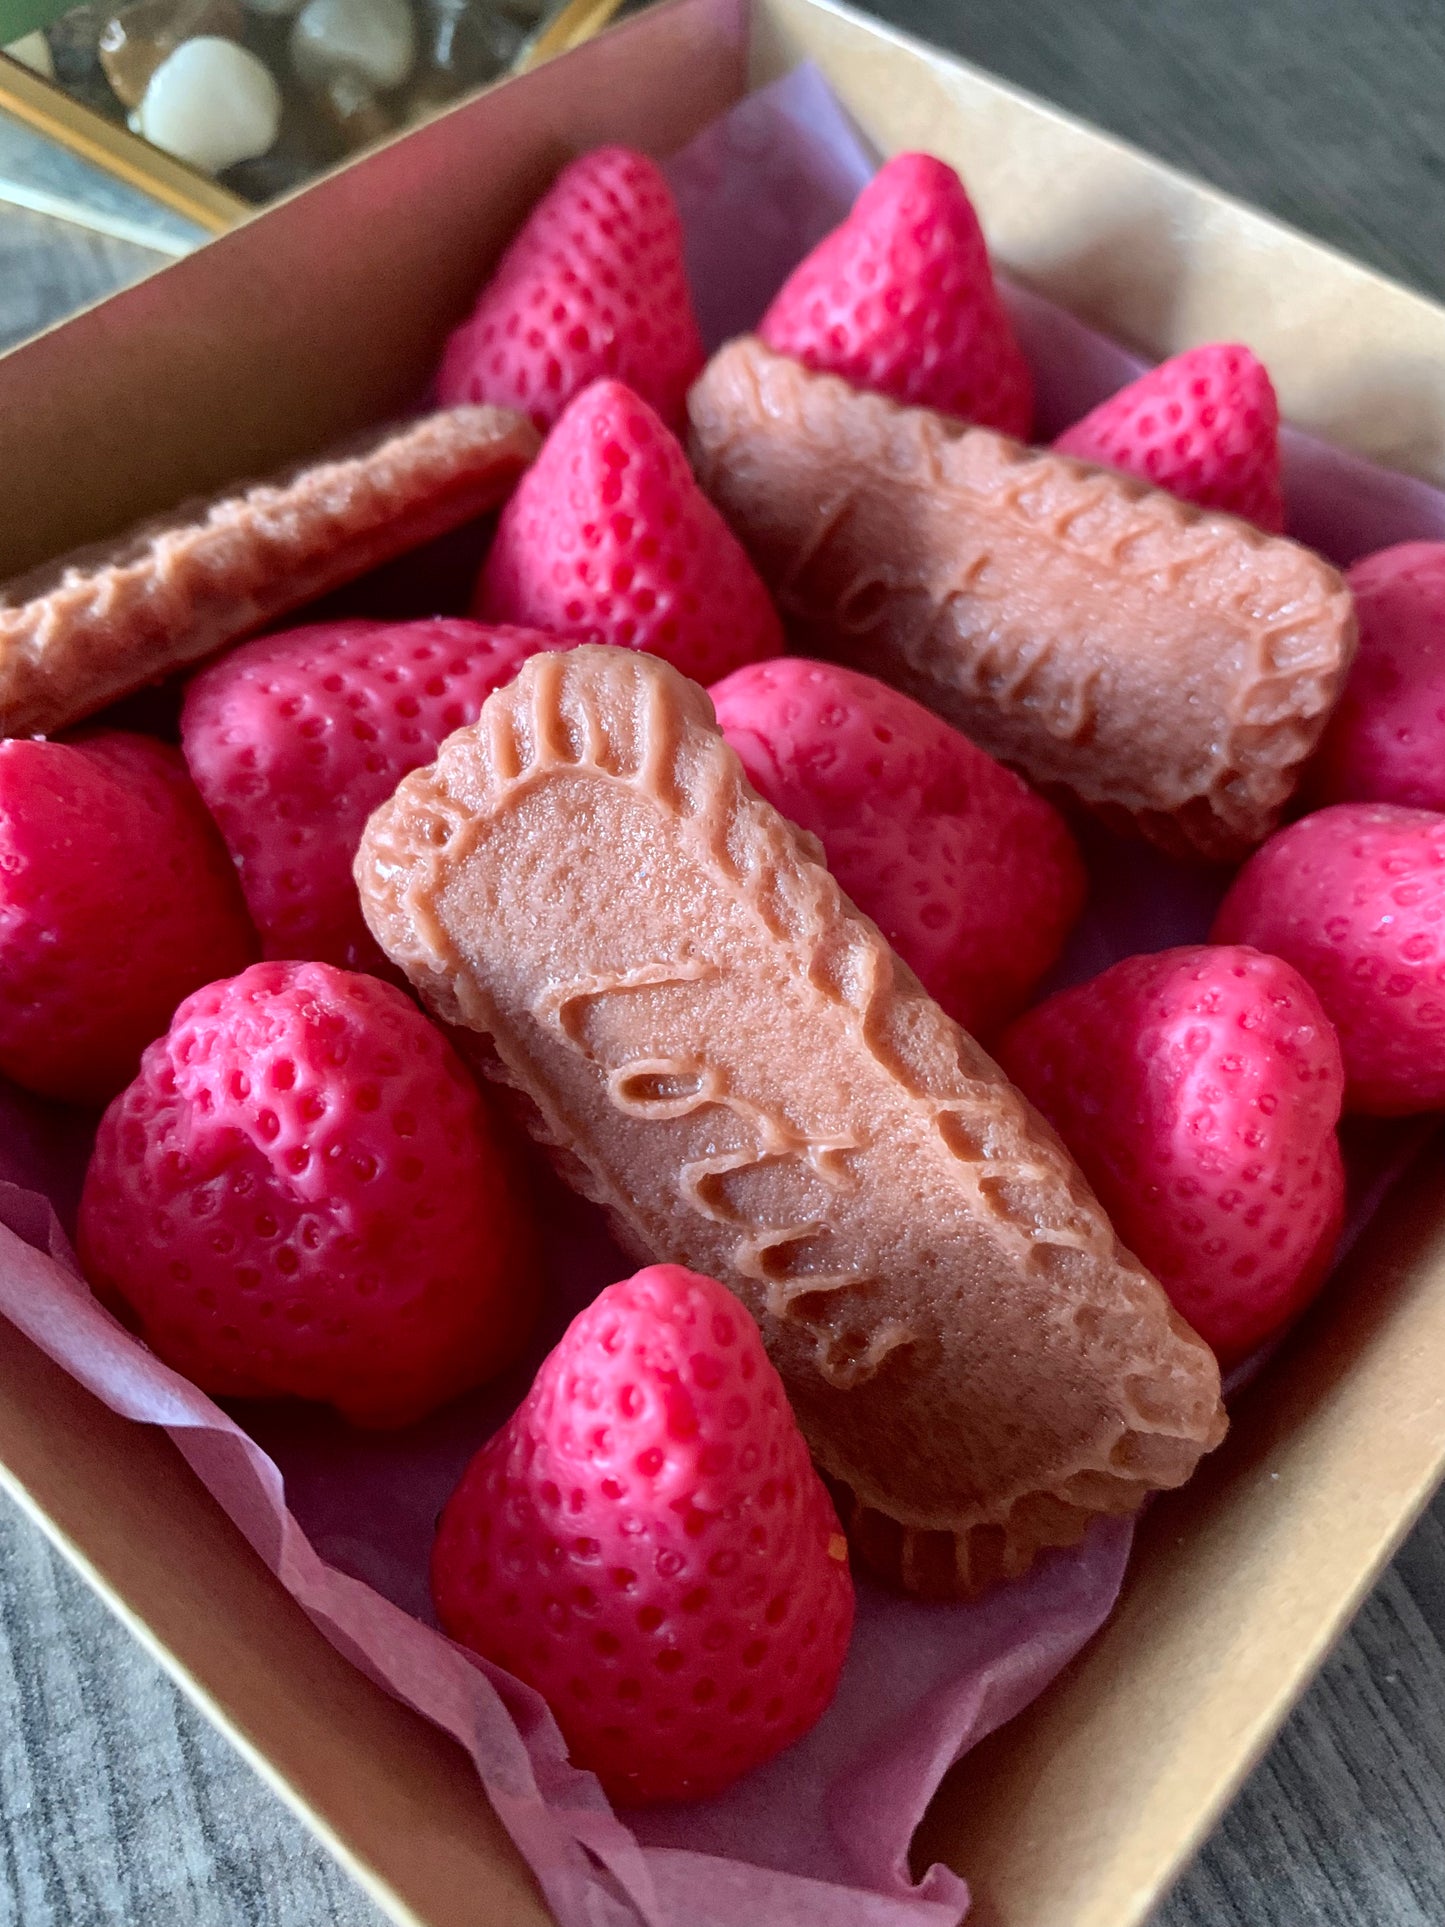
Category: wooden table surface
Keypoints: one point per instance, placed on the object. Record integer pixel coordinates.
(121, 1806)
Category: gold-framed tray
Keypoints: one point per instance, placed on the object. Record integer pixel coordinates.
(212, 108)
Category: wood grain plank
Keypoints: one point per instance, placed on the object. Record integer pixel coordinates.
(1324, 112)
(118, 1802)
(1344, 1820)
(50, 268)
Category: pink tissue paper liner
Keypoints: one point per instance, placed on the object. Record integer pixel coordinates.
(819, 1837)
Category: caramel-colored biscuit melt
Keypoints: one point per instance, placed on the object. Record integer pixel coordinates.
(106, 620)
(1169, 668)
(720, 1050)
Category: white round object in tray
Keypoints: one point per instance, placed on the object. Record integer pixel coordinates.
(211, 103)
(371, 40)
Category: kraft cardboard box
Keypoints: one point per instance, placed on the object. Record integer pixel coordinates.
(326, 313)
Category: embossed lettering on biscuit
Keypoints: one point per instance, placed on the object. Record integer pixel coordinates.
(723, 1052)
(1169, 668)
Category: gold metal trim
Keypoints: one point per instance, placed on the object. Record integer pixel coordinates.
(576, 21)
(118, 152)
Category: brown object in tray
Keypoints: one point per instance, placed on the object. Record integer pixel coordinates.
(109, 619)
(723, 1053)
(1169, 668)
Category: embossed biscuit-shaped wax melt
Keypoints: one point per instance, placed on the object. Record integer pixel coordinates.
(721, 1051)
(1170, 669)
(103, 621)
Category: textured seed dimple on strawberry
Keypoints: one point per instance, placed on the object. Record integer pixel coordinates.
(295, 738)
(901, 298)
(1204, 425)
(647, 1543)
(1354, 897)
(974, 879)
(609, 539)
(594, 284)
(1386, 739)
(116, 900)
(1199, 1089)
(303, 1195)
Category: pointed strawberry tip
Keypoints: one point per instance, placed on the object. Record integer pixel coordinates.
(900, 299)
(913, 168)
(609, 539)
(1203, 425)
(603, 399)
(594, 281)
(616, 155)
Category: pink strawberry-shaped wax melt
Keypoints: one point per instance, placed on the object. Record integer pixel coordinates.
(295, 738)
(592, 285)
(303, 1195)
(1386, 740)
(1204, 425)
(646, 1542)
(609, 539)
(901, 298)
(116, 901)
(974, 879)
(1354, 897)
(1199, 1089)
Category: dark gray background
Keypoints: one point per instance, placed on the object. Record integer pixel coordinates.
(120, 1805)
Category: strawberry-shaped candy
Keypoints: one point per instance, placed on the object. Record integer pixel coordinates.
(593, 285)
(116, 900)
(973, 879)
(1204, 425)
(1386, 740)
(295, 738)
(609, 539)
(1199, 1089)
(1354, 897)
(901, 298)
(302, 1195)
(646, 1542)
